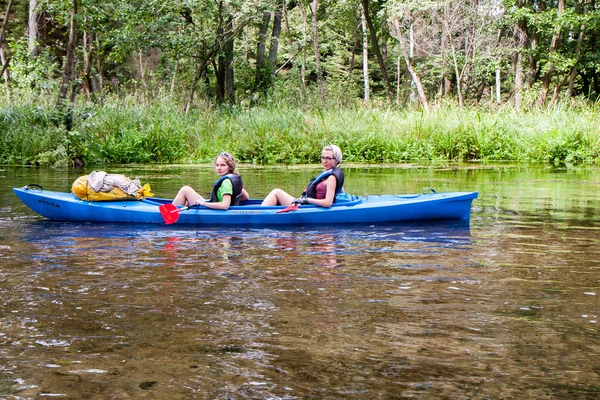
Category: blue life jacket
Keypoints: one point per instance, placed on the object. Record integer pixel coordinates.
(311, 189)
(236, 182)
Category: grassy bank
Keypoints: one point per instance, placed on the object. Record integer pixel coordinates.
(126, 132)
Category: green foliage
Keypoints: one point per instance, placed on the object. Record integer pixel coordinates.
(37, 73)
(146, 47)
(54, 158)
(499, 145)
(571, 147)
(116, 134)
(26, 132)
(125, 131)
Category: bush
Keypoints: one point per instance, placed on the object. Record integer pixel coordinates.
(126, 131)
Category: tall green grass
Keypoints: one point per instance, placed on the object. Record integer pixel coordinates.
(127, 131)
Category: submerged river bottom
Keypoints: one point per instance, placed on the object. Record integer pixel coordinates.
(503, 307)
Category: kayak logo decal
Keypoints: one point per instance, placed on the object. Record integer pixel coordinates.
(48, 203)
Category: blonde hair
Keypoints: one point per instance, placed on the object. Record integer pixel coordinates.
(337, 152)
(229, 160)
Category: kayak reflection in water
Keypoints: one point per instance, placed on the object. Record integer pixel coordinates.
(321, 190)
(227, 191)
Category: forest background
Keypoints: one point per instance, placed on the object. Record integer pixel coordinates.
(271, 81)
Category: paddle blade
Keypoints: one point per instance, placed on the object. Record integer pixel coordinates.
(170, 213)
(293, 207)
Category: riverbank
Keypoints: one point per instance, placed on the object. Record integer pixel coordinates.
(124, 131)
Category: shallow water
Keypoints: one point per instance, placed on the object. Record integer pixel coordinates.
(506, 307)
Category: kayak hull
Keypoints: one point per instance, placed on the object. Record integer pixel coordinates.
(63, 206)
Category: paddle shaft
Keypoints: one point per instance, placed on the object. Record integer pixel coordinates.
(180, 209)
(171, 212)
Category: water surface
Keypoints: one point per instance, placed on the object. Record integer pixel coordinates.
(504, 307)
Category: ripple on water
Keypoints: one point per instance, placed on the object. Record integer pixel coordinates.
(427, 311)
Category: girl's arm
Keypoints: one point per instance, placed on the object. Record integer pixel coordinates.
(221, 205)
(245, 196)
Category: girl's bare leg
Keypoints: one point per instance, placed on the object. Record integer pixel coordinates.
(186, 196)
(277, 196)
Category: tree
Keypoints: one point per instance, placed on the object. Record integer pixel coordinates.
(573, 73)
(377, 50)
(69, 63)
(397, 33)
(33, 30)
(225, 85)
(365, 43)
(315, 31)
(3, 57)
(225, 50)
(549, 69)
(261, 75)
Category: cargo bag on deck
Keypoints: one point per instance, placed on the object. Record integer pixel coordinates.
(100, 186)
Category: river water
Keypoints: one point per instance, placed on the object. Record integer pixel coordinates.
(504, 308)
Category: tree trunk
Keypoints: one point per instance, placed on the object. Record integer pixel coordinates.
(411, 55)
(3, 54)
(384, 74)
(553, 46)
(413, 74)
(276, 32)
(142, 80)
(88, 50)
(417, 82)
(365, 43)
(275, 37)
(304, 40)
(558, 88)
(398, 72)
(446, 83)
(219, 68)
(520, 39)
(260, 52)
(532, 74)
(519, 83)
(411, 42)
(573, 73)
(225, 88)
(69, 66)
(199, 73)
(203, 61)
(286, 8)
(219, 65)
(498, 83)
(100, 68)
(457, 73)
(33, 32)
(356, 42)
(228, 65)
(320, 83)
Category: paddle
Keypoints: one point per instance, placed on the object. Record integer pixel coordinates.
(170, 212)
(294, 206)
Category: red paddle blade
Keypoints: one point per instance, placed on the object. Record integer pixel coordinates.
(170, 213)
(293, 207)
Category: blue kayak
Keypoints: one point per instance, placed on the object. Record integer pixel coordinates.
(63, 206)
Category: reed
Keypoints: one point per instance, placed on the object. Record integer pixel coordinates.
(127, 130)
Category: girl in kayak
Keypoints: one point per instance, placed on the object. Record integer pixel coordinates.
(227, 191)
(322, 189)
